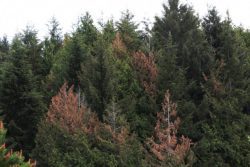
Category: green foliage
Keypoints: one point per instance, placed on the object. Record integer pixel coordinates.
(52, 44)
(109, 31)
(131, 154)
(121, 74)
(4, 49)
(96, 76)
(212, 28)
(21, 102)
(224, 141)
(128, 30)
(77, 48)
(92, 143)
(192, 50)
(32, 51)
(56, 147)
(170, 75)
(8, 157)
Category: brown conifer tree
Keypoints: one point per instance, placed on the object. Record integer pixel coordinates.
(146, 67)
(165, 142)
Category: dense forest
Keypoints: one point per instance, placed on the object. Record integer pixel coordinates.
(113, 94)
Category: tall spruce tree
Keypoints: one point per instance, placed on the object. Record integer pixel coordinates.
(20, 102)
(33, 49)
(77, 48)
(52, 44)
(96, 76)
(212, 27)
(4, 49)
(109, 31)
(128, 30)
(193, 51)
(170, 76)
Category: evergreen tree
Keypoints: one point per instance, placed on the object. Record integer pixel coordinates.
(228, 46)
(95, 76)
(4, 49)
(71, 135)
(33, 49)
(52, 44)
(131, 95)
(109, 31)
(224, 141)
(170, 76)
(245, 35)
(8, 157)
(77, 48)
(128, 30)
(193, 51)
(120, 75)
(60, 141)
(165, 144)
(224, 103)
(212, 27)
(20, 102)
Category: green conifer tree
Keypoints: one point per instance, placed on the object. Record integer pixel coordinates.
(21, 103)
(52, 44)
(192, 50)
(8, 157)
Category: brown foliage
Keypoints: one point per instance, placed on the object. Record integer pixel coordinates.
(182, 148)
(147, 70)
(119, 46)
(91, 122)
(214, 79)
(165, 142)
(119, 137)
(65, 111)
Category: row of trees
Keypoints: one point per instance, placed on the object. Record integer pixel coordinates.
(118, 111)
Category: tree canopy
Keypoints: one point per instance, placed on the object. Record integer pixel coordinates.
(117, 94)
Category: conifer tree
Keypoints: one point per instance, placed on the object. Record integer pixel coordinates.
(114, 117)
(8, 157)
(52, 44)
(71, 135)
(225, 99)
(120, 74)
(170, 75)
(60, 140)
(224, 141)
(32, 51)
(147, 71)
(96, 76)
(193, 52)
(165, 144)
(4, 49)
(21, 103)
(129, 92)
(77, 48)
(229, 47)
(128, 30)
(212, 27)
(109, 31)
